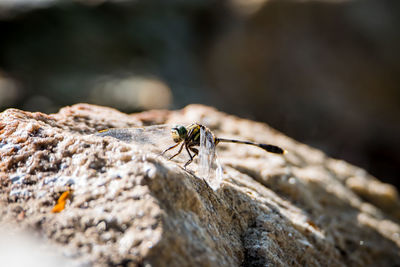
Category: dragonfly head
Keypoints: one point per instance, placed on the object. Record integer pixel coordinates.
(178, 133)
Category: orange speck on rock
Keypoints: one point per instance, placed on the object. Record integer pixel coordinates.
(61, 201)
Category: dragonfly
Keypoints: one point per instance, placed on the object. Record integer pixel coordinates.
(196, 139)
(197, 135)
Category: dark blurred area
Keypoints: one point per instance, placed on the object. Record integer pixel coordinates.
(326, 73)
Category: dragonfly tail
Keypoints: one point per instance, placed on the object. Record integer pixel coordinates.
(266, 147)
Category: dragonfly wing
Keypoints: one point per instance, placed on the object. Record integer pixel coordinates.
(121, 134)
(206, 153)
(209, 166)
(156, 136)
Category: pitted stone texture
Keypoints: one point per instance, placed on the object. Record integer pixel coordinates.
(132, 207)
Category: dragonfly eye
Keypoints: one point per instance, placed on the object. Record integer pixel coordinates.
(182, 131)
(178, 133)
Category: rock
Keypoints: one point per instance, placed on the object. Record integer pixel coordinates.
(131, 206)
(19, 248)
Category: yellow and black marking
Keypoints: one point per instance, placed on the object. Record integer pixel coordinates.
(189, 137)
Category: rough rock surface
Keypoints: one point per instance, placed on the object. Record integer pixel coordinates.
(131, 206)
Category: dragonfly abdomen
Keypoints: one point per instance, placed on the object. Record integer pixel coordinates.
(266, 147)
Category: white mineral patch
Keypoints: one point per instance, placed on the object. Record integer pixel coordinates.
(20, 193)
(18, 179)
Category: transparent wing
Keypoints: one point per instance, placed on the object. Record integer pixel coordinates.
(209, 167)
(155, 138)
(155, 135)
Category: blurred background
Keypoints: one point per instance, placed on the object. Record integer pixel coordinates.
(326, 72)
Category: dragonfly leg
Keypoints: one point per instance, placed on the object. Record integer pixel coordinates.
(177, 153)
(194, 150)
(171, 147)
(190, 155)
